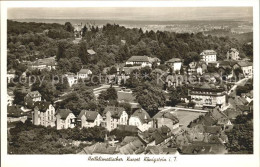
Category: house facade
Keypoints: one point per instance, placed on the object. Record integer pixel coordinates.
(165, 119)
(175, 63)
(208, 95)
(143, 61)
(41, 64)
(32, 97)
(209, 56)
(115, 116)
(72, 79)
(233, 54)
(141, 119)
(65, 119)
(89, 118)
(84, 73)
(10, 75)
(246, 67)
(43, 114)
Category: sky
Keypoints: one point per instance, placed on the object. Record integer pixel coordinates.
(134, 13)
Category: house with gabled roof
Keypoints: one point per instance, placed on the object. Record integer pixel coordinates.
(65, 119)
(165, 118)
(84, 73)
(43, 114)
(246, 67)
(143, 61)
(141, 119)
(89, 118)
(115, 116)
(133, 147)
(32, 97)
(175, 64)
(233, 54)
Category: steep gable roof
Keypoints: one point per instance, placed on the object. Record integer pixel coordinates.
(244, 63)
(142, 115)
(208, 52)
(64, 113)
(85, 71)
(166, 115)
(41, 105)
(91, 51)
(90, 115)
(174, 60)
(116, 112)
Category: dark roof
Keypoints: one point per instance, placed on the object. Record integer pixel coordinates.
(14, 111)
(158, 135)
(168, 115)
(128, 128)
(63, 113)
(116, 112)
(212, 129)
(41, 105)
(173, 60)
(90, 115)
(138, 59)
(194, 149)
(103, 148)
(128, 139)
(243, 108)
(244, 63)
(231, 113)
(142, 115)
(11, 71)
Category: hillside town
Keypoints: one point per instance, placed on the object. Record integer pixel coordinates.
(84, 99)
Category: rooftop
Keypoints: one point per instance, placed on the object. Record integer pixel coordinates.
(138, 59)
(64, 113)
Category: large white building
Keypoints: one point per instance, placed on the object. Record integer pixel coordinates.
(84, 73)
(43, 114)
(209, 56)
(143, 61)
(208, 95)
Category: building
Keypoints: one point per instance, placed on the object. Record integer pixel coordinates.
(10, 98)
(141, 119)
(89, 118)
(175, 63)
(197, 68)
(43, 114)
(32, 97)
(72, 79)
(209, 56)
(10, 75)
(84, 73)
(246, 67)
(143, 61)
(208, 95)
(233, 54)
(65, 119)
(115, 116)
(15, 114)
(165, 118)
(41, 64)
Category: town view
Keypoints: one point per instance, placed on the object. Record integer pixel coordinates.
(144, 86)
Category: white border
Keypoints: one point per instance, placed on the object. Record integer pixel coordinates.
(81, 160)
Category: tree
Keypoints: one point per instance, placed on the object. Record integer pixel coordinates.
(64, 65)
(18, 97)
(62, 46)
(69, 27)
(177, 93)
(112, 71)
(83, 55)
(76, 64)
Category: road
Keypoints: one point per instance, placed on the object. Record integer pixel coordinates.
(238, 83)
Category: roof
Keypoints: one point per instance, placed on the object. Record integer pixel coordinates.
(47, 61)
(142, 115)
(34, 94)
(11, 71)
(134, 147)
(212, 129)
(91, 52)
(244, 63)
(168, 115)
(193, 149)
(128, 128)
(243, 108)
(156, 134)
(208, 52)
(116, 112)
(138, 59)
(85, 71)
(232, 50)
(90, 115)
(103, 148)
(41, 105)
(128, 139)
(64, 113)
(231, 113)
(174, 60)
(14, 111)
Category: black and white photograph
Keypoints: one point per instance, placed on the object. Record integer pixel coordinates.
(130, 81)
